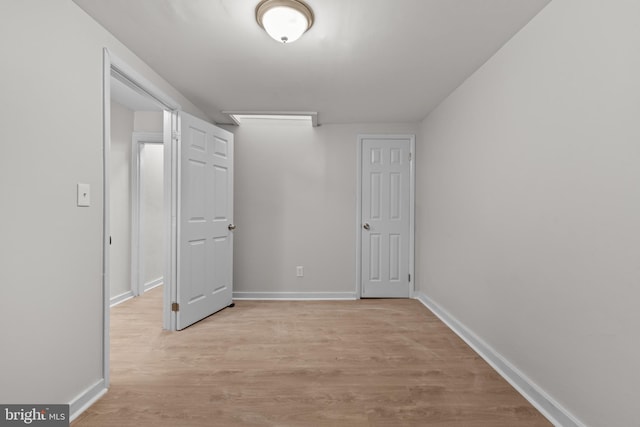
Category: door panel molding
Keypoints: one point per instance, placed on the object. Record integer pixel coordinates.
(361, 227)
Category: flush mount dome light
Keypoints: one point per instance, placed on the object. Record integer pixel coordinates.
(284, 20)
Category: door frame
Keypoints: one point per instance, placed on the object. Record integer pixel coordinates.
(412, 184)
(116, 67)
(138, 141)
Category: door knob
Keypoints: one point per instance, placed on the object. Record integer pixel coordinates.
(366, 226)
(231, 227)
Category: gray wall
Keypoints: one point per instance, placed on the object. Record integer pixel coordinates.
(152, 210)
(148, 121)
(120, 203)
(51, 250)
(151, 201)
(529, 206)
(295, 204)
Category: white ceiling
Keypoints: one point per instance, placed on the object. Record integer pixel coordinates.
(362, 61)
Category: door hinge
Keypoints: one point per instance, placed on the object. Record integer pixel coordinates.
(175, 135)
(175, 306)
(410, 155)
(409, 277)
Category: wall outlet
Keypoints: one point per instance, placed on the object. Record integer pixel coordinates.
(299, 271)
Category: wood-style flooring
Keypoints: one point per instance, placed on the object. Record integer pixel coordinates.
(291, 363)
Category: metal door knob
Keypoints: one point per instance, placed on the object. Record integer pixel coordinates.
(366, 226)
(231, 227)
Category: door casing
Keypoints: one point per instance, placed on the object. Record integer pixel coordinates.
(412, 180)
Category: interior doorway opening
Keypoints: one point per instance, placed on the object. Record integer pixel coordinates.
(129, 100)
(197, 206)
(147, 211)
(136, 194)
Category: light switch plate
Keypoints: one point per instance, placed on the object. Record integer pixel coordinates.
(84, 195)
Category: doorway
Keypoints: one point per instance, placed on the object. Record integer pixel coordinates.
(147, 210)
(385, 216)
(197, 190)
(136, 194)
(130, 92)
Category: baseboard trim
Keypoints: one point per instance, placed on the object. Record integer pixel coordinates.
(86, 399)
(294, 296)
(153, 284)
(120, 298)
(544, 403)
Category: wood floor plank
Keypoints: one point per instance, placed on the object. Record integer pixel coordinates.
(292, 363)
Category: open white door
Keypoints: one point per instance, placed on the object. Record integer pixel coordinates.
(204, 220)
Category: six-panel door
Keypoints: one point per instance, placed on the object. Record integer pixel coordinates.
(205, 258)
(385, 217)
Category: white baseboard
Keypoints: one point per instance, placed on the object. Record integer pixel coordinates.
(551, 409)
(294, 296)
(120, 298)
(87, 398)
(154, 283)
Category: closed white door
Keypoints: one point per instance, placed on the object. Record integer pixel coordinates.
(205, 217)
(385, 217)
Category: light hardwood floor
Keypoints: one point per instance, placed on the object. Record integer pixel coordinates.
(292, 363)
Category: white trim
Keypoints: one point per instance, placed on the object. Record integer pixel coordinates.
(135, 216)
(136, 81)
(295, 296)
(138, 139)
(412, 217)
(236, 120)
(106, 221)
(85, 399)
(412, 207)
(359, 219)
(153, 284)
(125, 296)
(549, 407)
(171, 130)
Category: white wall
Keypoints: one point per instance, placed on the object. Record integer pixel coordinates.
(152, 213)
(295, 204)
(152, 196)
(120, 209)
(51, 250)
(148, 121)
(529, 206)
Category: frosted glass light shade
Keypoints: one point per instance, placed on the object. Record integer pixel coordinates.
(284, 20)
(284, 24)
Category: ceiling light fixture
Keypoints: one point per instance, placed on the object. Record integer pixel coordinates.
(284, 20)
